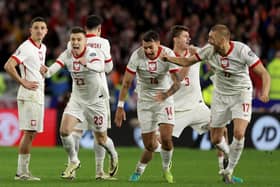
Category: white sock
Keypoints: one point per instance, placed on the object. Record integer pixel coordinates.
(223, 145)
(69, 146)
(110, 148)
(166, 157)
(236, 149)
(76, 137)
(99, 157)
(158, 149)
(23, 163)
(221, 162)
(140, 168)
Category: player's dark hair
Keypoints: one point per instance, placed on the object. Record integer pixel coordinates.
(93, 21)
(38, 19)
(78, 29)
(222, 29)
(175, 31)
(150, 36)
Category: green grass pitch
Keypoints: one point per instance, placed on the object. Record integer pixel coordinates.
(191, 168)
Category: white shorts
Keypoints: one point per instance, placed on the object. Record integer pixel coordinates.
(225, 108)
(197, 118)
(84, 125)
(31, 116)
(151, 114)
(93, 117)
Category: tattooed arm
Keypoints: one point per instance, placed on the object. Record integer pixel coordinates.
(161, 96)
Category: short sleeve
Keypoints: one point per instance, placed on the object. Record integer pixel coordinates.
(62, 57)
(21, 54)
(132, 63)
(248, 56)
(172, 67)
(107, 51)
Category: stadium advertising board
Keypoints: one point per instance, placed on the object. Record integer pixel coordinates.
(10, 134)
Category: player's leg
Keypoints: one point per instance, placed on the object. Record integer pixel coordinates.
(31, 117)
(166, 150)
(24, 156)
(151, 143)
(241, 109)
(237, 144)
(102, 144)
(97, 117)
(67, 125)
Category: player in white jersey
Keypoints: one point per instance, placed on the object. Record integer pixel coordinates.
(93, 30)
(155, 105)
(232, 96)
(190, 109)
(88, 97)
(29, 56)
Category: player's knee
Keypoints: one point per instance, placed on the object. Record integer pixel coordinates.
(216, 140)
(101, 140)
(64, 132)
(238, 135)
(166, 143)
(151, 147)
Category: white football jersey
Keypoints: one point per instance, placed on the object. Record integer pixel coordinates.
(152, 74)
(103, 45)
(189, 94)
(87, 86)
(30, 58)
(231, 71)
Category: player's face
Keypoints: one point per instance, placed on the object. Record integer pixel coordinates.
(78, 42)
(216, 40)
(151, 48)
(183, 40)
(38, 30)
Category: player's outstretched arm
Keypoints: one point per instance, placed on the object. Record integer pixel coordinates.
(49, 71)
(181, 61)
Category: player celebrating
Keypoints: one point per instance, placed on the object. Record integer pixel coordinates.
(88, 97)
(153, 83)
(29, 56)
(93, 30)
(232, 89)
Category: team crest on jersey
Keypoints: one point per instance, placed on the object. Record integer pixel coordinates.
(76, 66)
(224, 63)
(152, 66)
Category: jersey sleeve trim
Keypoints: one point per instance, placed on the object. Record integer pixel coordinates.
(197, 56)
(256, 63)
(174, 70)
(16, 59)
(94, 60)
(59, 62)
(108, 60)
(130, 71)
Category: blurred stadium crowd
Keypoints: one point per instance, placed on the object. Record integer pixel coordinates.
(254, 22)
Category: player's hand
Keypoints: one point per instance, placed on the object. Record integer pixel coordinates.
(30, 85)
(160, 96)
(192, 49)
(43, 70)
(82, 61)
(120, 116)
(264, 98)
